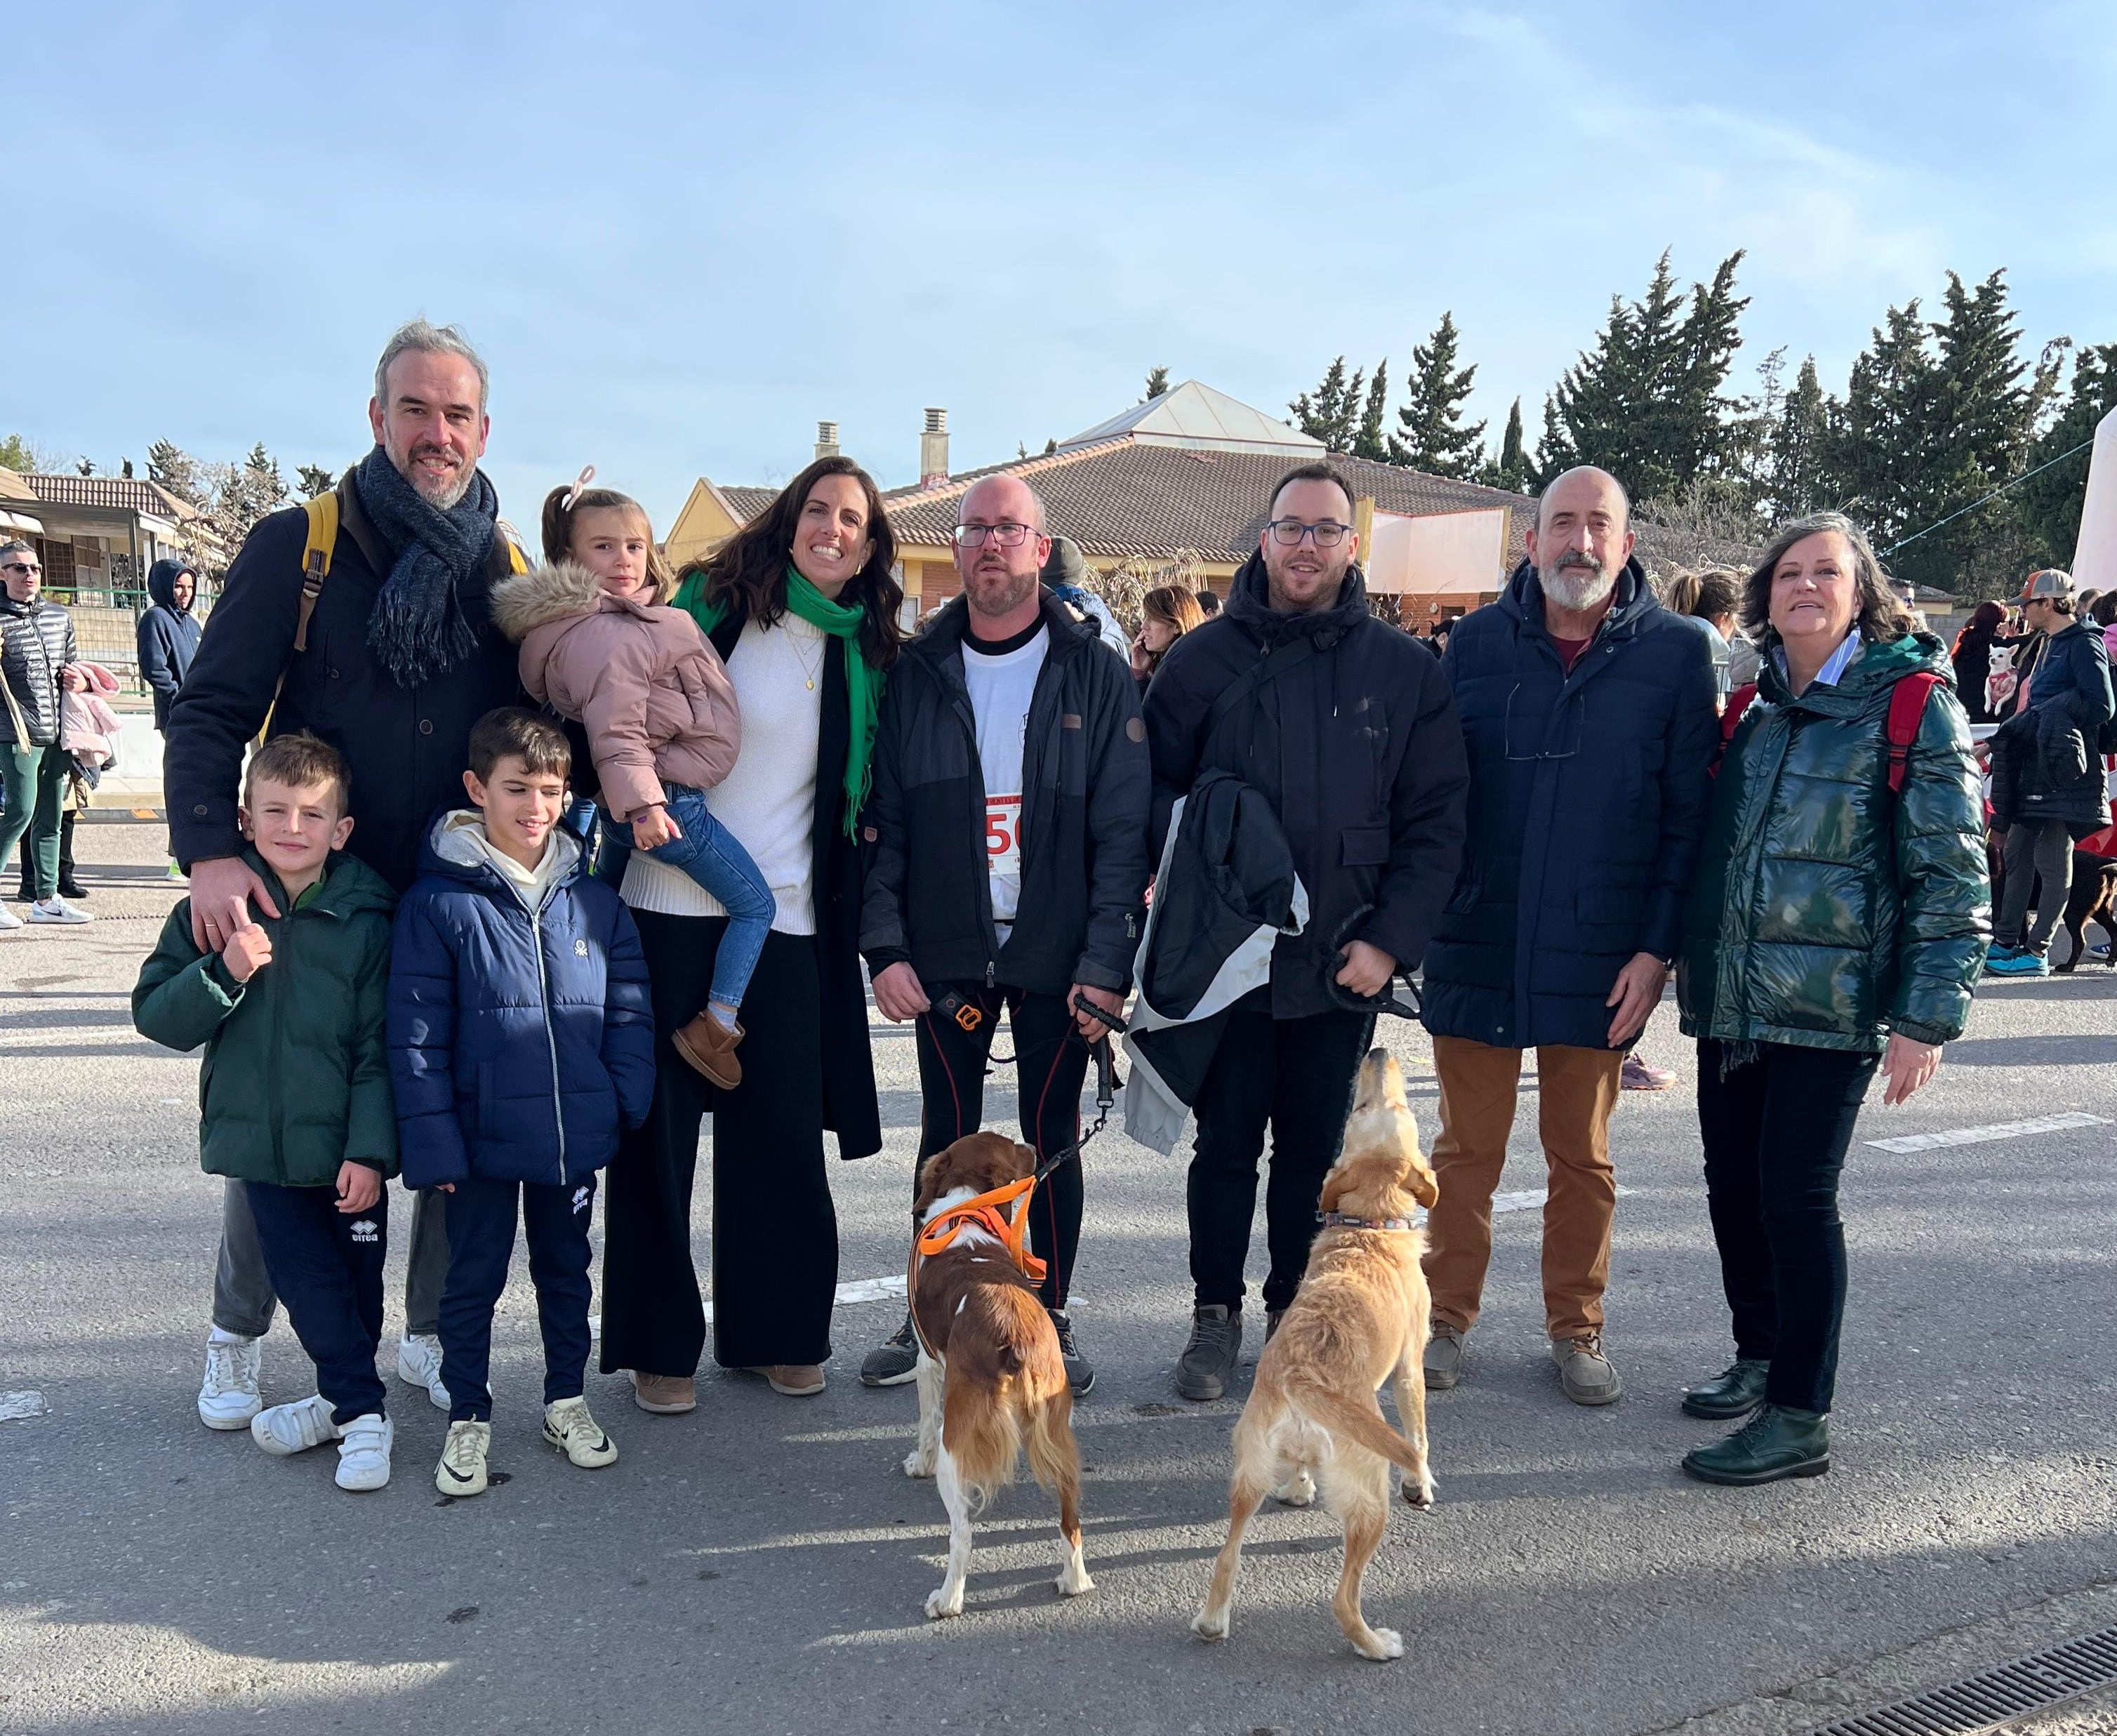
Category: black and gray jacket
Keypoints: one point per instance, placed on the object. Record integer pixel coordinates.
(1086, 787)
(36, 644)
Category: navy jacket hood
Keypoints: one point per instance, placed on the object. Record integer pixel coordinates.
(162, 584)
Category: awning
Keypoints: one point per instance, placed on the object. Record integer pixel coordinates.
(22, 521)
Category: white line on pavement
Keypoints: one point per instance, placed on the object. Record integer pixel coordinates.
(1983, 1135)
(17, 1407)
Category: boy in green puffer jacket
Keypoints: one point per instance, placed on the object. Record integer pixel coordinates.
(294, 1094)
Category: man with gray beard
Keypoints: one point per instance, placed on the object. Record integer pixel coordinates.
(1588, 711)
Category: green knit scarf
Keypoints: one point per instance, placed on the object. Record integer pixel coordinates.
(862, 681)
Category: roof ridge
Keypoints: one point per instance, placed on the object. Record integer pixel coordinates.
(963, 483)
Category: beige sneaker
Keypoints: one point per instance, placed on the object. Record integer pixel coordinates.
(1587, 1374)
(664, 1394)
(796, 1380)
(461, 1472)
(568, 1427)
(1444, 1358)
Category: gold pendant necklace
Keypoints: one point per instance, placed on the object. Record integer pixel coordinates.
(809, 673)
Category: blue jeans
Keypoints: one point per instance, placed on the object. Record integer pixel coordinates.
(709, 853)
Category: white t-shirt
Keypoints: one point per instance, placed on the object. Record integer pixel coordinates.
(1001, 688)
(769, 802)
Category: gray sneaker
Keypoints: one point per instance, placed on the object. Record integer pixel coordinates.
(1585, 1372)
(894, 1361)
(1208, 1362)
(1444, 1358)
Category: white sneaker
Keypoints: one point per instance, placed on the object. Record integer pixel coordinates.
(295, 1427)
(364, 1452)
(55, 909)
(176, 873)
(568, 1427)
(8, 920)
(228, 1398)
(462, 1469)
(419, 1364)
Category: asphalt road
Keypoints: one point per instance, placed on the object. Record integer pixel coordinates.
(761, 1564)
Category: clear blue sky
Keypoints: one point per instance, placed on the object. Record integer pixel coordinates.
(682, 234)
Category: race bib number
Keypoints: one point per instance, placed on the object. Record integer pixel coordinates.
(1003, 836)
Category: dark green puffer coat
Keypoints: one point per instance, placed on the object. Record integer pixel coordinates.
(1826, 912)
(296, 1074)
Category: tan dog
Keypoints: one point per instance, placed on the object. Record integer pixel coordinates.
(994, 1385)
(1358, 1319)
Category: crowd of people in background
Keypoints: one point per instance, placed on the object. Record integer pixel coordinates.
(650, 837)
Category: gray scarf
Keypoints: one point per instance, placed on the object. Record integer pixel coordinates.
(418, 629)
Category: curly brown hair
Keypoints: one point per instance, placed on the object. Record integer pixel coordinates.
(1880, 615)
(750, 569)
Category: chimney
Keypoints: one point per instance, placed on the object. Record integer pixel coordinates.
(933, 450)
(827, 440)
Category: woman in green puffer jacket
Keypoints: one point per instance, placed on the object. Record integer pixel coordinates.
(1834, 925)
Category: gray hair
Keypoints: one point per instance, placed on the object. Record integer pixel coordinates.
(420, 337)
(12, 544)
(1878, 611)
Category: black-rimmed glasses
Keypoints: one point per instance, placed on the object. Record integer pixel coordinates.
(22, 569)
(1289, 533)
(1007, 536)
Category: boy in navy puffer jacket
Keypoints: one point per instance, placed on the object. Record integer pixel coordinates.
(520, 1038)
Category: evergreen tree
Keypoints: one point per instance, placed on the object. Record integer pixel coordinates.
(1648, 403)
(16, 454)
(1510, 470)
(1157, 383)
(1876, 455)
(1331, 413)
(1434, 437)
(1368, 442)
(247, 491)
(177, 471)
(314, 481)
(1798, 454)
(2050, 503)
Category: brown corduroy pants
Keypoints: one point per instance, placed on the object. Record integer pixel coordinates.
(1576, 1093)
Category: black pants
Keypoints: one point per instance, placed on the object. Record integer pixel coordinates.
(1295, 1075)
(555, 1222)
(1776, 1131)
(242, 1298)
(775, 1230)
(1050, 1060)
(327, 1267)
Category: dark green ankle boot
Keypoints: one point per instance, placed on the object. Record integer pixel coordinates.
(1778, 1441)
(1736, 1392)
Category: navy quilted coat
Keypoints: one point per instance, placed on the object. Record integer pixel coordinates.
(518, 1039)
(1587, 801)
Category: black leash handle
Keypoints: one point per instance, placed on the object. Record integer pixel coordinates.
(1106, 1094)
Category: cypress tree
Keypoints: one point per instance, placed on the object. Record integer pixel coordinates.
(1798, 453)
(1510, 470)
(1433, 436)
(1331, 413)
(1157, 383)
(1368, 442)
(2051, 502)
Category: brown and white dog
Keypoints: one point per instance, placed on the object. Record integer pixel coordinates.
(994, 1385)
(1359, 1318)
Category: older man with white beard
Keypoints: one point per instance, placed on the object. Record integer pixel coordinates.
(1588, 710)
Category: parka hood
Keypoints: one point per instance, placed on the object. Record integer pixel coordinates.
(524, 602)
(1879, 667)
(162, 584)
(943, 634)
(457, 848)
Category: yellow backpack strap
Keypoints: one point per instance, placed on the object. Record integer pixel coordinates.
(316, 560)
(517, 560)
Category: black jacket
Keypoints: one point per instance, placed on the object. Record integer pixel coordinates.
(1972, 663)
(407, 750)
(1588, 802)
(166, 638)
(1357, 749)
(2046, 761)
(36, 644)
(1083, 830)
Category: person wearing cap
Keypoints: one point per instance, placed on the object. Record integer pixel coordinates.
(2048, 788)
(1065, 575)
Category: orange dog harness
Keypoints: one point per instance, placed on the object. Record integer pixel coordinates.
(987, 1212)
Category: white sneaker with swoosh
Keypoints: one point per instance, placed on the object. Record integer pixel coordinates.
(462, 1469)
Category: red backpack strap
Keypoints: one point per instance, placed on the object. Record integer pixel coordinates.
(1738, 702)
(1907, 709)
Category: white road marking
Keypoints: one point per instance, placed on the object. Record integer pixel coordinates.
(1985, 1135)
(15, 1407)
(1530, 1199)
(854, 1290)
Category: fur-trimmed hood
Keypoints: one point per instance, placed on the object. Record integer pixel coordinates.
(524, 602)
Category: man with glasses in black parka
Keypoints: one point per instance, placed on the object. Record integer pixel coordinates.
(1356, 747)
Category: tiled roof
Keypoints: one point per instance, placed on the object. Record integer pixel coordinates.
(746, 503)
(1119, 498)
(109, 494)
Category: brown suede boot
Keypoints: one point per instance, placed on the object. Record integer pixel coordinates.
(709, 1046)
(665, 1395)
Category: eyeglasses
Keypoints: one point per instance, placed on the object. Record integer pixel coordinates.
(1007, 536)
(1289, 533)
(27, 569)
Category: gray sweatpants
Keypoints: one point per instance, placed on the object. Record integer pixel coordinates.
(243, 1299)
(2034, 848)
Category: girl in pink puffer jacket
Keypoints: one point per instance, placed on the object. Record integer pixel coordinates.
(602, 646)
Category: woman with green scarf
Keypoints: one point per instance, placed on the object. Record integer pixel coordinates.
(801, 605)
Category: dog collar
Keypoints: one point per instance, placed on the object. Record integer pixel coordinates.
(1346, 1220)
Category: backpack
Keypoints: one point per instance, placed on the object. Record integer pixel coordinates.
(1906, 711)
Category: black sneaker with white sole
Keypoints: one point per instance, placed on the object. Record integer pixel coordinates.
(1080, 1372)
(896, 1359)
